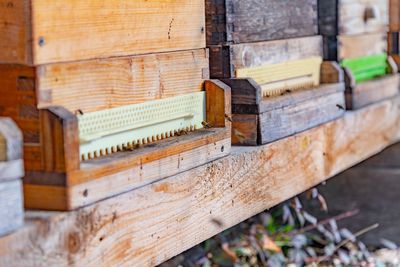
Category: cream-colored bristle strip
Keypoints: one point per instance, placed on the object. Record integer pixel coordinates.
(282, 87)
(135, 143)
(290, 75)
(109, 131)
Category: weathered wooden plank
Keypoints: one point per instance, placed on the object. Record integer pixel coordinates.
(372, 91)
(116, 82)
(354, 46)
(99, 180)
(352, 17)
(107, 83)
(357, 22)
(279, 117)
(361, 45)
(69, 183)
(60, 31)
(290, 112)
(226, 59)
(279, 123)
(363, 16)
(245, 21)
(138, 228)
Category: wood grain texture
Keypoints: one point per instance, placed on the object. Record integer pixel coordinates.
(353, 17)
(342, 47)
(82, 183)
(11, 206)
(245, 21)
(94, 85)
(218, 104)
(60, 140)
(372, 91)
(17, 86)
(282, 116)
(107, 83)
(15, 31)
(226, 59)
(115, 82)
(247, 95)
(133, 228)
(105, 177)
(280, 123)
(361, 45)
(363, 16)
(273, 118)
(78, 30)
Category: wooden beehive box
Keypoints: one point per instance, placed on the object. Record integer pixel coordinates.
(38, 32)
(269, 53)
(91, 57)
(11, 172)
(355, 33)
(259, 119)
(246, 21)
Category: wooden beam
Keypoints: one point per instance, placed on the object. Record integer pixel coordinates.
(149, 225)
(40, 32)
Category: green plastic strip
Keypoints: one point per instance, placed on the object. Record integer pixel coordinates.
(367, 68)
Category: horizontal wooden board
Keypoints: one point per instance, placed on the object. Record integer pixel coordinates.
(115, 82)
(363, 16)
(77, 30)
(372, 91)
(138, 228)
(361, 45)
(247, 97)
(226, 59)
(353, 17)
(278, 117)
(280, 123)
(245, 21)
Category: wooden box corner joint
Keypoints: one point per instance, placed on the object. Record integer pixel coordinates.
(69, 182)
(361, 94)
(259, 120)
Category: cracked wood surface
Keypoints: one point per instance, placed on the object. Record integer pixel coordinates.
(149, 225)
